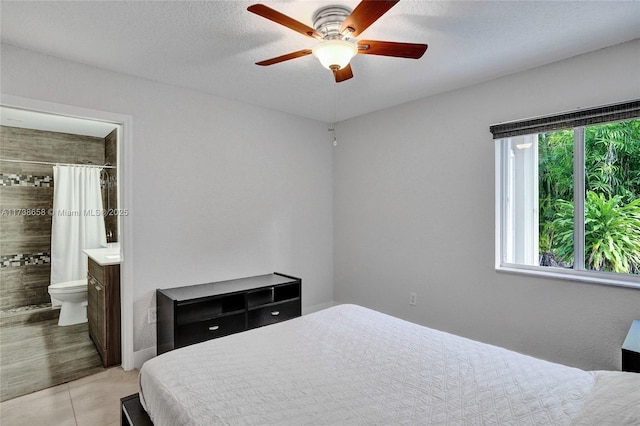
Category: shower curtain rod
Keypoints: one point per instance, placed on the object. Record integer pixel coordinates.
(47, 163)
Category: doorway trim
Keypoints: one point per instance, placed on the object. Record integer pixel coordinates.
(125, 169)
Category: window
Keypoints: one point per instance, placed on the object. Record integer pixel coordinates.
(568, 195)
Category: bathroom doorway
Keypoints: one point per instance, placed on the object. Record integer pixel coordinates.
(35, 352)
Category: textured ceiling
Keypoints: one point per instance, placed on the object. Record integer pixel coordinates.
(211, 46)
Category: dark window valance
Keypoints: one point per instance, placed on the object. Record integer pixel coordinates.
(583, 117)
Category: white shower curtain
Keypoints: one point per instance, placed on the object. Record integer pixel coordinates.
(77, 221)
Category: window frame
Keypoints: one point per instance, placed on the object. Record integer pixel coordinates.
(576, 121)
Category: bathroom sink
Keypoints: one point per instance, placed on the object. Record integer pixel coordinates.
(108, 251)
(109, 254)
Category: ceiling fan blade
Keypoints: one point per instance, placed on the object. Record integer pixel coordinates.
(365, 14)
(392, 48)
(288, 56)
(343, 74)
(282, 19)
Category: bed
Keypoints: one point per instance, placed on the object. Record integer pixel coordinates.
(349, 365)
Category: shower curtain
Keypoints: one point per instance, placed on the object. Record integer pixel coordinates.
(77, 222)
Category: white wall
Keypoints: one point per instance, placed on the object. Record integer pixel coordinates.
(221, 189)
(414, 212)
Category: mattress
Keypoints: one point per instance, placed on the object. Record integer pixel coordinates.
(349, 365)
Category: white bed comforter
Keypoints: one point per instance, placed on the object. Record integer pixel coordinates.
(349, 365)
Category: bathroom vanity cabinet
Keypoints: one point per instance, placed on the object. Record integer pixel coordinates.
(103, 310)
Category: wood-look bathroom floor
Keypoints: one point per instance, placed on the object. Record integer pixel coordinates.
(36, 353)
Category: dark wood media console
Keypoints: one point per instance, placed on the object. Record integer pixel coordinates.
(193, 314)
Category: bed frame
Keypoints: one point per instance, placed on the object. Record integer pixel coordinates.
(132, 413)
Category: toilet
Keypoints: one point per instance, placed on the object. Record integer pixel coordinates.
(71, 296)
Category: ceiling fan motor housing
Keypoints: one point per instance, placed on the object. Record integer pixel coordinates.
(328, 21)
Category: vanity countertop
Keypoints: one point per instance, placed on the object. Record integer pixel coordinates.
(109, 255)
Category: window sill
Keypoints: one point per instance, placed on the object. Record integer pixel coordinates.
(601, 278)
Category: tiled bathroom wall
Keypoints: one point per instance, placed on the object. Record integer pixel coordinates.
(26, 195)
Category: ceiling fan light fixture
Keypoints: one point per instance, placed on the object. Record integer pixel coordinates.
(335, 26)
(335, 54)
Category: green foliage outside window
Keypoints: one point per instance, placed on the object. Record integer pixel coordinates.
(612, 197)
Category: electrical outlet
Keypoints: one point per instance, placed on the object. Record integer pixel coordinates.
(153, 315)
(413, 299)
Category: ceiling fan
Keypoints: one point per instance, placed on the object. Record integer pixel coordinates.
(337, 27)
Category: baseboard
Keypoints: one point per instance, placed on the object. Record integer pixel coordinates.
(142, 356)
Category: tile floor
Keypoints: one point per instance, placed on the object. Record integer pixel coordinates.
(92, 401)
